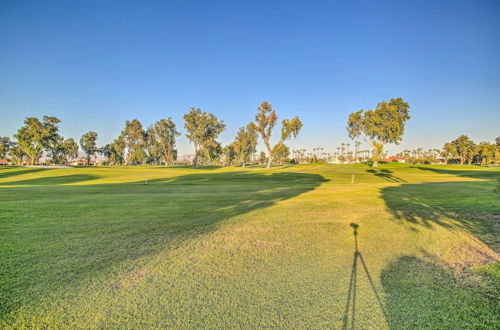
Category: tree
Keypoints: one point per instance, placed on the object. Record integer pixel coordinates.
(16, 154)
(34, 136)
(281, 151)
(88, 144)
(203, 129)
(229, 154)
(210, 152)
(135, 140)
(381, 126)
(464, 148)
(161, 139)
(245, 143)
(115, 151)
(57, 150)
(265, 120)
(70, 149)
(5, 145)
(486, 152)
(262, 157)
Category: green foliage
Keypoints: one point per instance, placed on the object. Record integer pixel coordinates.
(203, 129)
(35, 136)
(462, 147)
(5, 145)
(229, 154)
(134, 138)
(70, 149)
(161, 140)
(486, 152)
(265, 120)
(280, 152)
(88, 144)
(245, 143)
(115, 151)
(381, 126)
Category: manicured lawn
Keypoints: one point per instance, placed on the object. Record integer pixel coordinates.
(234, 247)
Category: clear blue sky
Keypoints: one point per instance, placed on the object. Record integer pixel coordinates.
(94, 64)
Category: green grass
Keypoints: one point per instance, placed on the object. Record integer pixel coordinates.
(232, 247)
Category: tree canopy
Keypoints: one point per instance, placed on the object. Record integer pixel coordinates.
(134, 138)
(245, 143)
(161, 140)
(464, 148)
(88, 144)
(266, 119)
(203, 129)
(35, 136)
(385, 124)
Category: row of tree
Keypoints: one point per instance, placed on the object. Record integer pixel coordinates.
(459, 151)
(157, 143)
(465, 150)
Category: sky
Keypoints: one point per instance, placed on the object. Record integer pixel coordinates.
(95, 64)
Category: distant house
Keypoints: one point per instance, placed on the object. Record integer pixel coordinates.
(4, 162)
(394, 159)
(83, 162)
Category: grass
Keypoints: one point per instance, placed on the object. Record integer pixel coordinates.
(233, 247)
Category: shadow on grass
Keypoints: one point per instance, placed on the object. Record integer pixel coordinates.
(52, 180)
(474, 172)
(8, 173)
(471, 205)
(353, 284)
(422, 295)
(386, 175)
(54, 237)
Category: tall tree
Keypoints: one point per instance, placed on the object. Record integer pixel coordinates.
(5, 145)
(486, 152)
(464, 148)
(381, 126)
(281, 151)
(16, 154)
(265, 120)
(202, 129)
(88, 144)
(56, 150)
(262, 157)
(161, 139)
(70, 149)
(229, 154)
(245, 143)
(115, 151)
(135, 141)
(35, 136)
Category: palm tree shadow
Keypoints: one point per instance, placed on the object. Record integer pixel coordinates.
(351, 295)
(386, 175)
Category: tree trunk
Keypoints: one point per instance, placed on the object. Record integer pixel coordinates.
(269, 162)
(270, 159)
(375, 163)
(195, 159)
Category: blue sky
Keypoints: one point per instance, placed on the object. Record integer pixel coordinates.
(95, 64)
